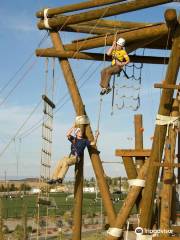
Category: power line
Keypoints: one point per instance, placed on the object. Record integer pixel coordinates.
(35, 127)
(60, 100)
(19, 129)
(82, 83)
(24, 75)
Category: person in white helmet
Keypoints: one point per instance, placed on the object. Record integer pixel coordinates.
(119, 59)
(78, 145)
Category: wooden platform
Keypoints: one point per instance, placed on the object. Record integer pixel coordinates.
(176, 229)
(166, 86)
(132, 153)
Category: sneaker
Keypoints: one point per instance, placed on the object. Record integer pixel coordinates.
(108, 90)
(59, 180)
(51, 181)
(103, 91)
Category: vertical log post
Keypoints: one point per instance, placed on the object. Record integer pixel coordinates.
(168, 174)
(130, 167)
(78, 190)
(160, 133)
(94, 154)
(129, 202)
(178, 150)
(138, 138)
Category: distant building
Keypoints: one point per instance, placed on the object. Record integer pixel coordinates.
(89, 189)
(35, 190)
(61, 188)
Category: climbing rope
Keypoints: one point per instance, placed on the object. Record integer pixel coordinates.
(101, 97)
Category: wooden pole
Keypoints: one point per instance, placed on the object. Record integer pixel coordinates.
(101, 30)
(76, 7)
(100, 13)
(78, 200)
(178, 150)
(160, 133)
(51, 52)
(78, 190)
(146, 34)
(90, 29)
(94, 154)
(129, 202)
(130, 167)
(168, 174)
(115, 24)
(138, 139)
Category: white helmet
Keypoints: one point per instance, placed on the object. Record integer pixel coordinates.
(121, 42)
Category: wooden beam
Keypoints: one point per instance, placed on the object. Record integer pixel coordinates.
(160, 133)
(132, 153)
(129, 202)
(118, 31)
(171, 18)
(166, 86)
(100, 13)
(167, 165)
(130, 167)
(168, 175)
(76, 7)
(115, 24)
(51, 52)
(78, 189)
(138, 123)
(148, 34)
(94, 154)
(90, 29)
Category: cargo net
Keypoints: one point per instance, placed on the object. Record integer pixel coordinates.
(127, 89)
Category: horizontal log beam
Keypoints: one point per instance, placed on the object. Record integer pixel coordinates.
(115, 24)
(76, 7)
(132, 153)
(51, 52)
(57, 22)
(117, 31)
(172, 165)
(89, 29)
(166, 86)
(147, 34)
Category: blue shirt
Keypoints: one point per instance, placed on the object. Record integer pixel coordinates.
(78, 145)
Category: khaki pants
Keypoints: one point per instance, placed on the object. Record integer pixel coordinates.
(63, 165)
(106, 74)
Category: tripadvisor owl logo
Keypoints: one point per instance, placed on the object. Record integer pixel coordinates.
(139, 231)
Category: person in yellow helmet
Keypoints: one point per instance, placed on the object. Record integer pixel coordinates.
(119, 59)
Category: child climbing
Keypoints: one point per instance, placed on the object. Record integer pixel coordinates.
(120, 58)
(78, 145)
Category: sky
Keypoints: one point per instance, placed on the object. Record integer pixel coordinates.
(26, 74)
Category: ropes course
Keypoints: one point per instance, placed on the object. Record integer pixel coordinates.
(125, 95)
